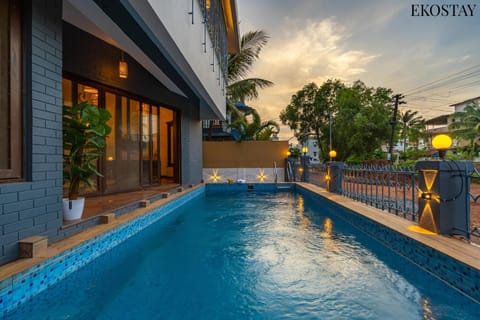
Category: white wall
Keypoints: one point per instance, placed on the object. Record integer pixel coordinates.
(175, 17)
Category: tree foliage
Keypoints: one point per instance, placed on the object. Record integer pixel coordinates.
(241, 88)
(359, 117)
(254, 129)
(465, 125)
(412, 127)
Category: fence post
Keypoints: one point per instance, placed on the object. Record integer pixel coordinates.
(335, 173)
(441, 196)
(306, 168)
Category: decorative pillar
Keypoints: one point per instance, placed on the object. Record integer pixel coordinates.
(443, 196)
(334, 177)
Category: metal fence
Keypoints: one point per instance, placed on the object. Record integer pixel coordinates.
(474, 195)
(388, 188)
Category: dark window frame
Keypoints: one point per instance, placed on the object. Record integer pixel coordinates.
(14, 91)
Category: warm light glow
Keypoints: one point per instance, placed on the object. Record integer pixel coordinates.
(90, 90)
(419, 229)
(215, 177)
(304, 149)
(123, 69)
(289, 153)
(262, 176)
(429, 177)
(426, 218)
(327, 177)
(332, 154)
(441, 142)
(208, 4)
(110, 158)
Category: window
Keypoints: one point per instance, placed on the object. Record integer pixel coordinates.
(10, 90)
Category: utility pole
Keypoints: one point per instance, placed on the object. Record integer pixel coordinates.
(393, 123)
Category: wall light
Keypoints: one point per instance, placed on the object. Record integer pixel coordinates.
(262, 176)
(289, 153)
(215, 177)
(304, 150)
(123, 68)
(426, 195)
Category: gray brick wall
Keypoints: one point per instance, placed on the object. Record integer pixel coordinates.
(34, 207)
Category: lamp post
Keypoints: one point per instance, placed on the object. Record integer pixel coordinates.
(441, 143)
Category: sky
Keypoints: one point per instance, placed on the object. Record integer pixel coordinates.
(376, 41)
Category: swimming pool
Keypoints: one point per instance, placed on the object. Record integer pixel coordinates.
(250, 255)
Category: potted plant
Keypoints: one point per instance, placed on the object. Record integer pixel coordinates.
(84, 132)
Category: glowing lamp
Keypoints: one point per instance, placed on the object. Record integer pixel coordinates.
(441, 142)
(208, 4)
(426, 195)
(123, 69)
(332, 154)
(110, 158)
(304, 149)
(289, 153)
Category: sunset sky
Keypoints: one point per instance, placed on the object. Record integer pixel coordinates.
(378, 42)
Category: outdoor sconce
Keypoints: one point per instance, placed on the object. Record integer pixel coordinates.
(304, 150)
(441, 143)
(289, 153)
(327, 177)
(110, 158)
(426, 195)
(332, 154)
(215, 177)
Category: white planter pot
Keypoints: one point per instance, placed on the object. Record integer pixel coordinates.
(73, 209)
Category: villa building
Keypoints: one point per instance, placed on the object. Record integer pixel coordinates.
(159, 67)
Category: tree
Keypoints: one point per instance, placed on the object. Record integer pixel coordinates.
(361, 124)
(255, 129)
(359, 116)
(410, 125)
(241, 88)
(465, 125)
(310, 111)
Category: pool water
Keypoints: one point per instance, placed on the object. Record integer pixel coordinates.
(250, 256)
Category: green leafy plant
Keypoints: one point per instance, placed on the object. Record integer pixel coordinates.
(85, 129)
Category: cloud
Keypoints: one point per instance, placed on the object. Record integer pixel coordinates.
(303, 52)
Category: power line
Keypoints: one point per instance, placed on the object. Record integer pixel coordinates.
(457, 76)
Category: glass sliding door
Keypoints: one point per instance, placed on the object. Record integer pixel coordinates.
(150, 145)
(142, 148)
(168, 146)
(122, 161)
